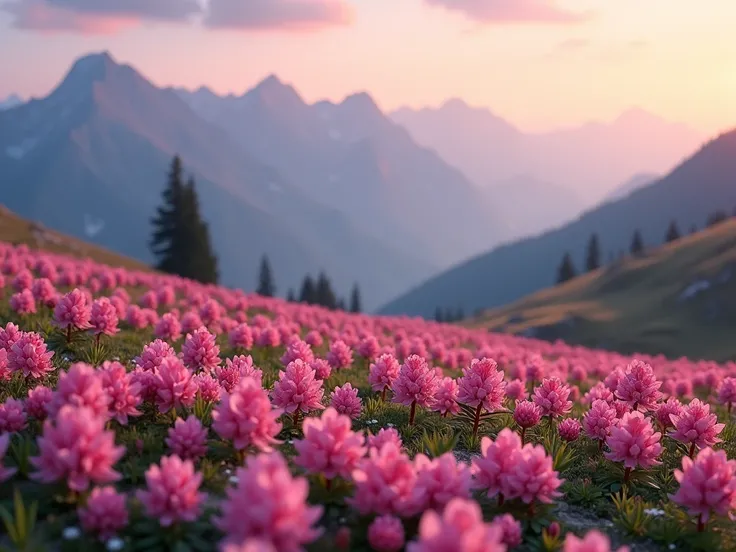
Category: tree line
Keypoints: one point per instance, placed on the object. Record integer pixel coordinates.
(567, 271)
(181, 245)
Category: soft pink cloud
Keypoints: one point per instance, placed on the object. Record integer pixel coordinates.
(278, 14)
(512, 11)
(95, 16)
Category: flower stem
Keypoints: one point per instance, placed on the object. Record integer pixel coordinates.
(476, 421)
(383, 394)
(500, 499)
(701, 524)
(69, 333)
(600, 444)
(413, 412)
(295, 419)
(328, 484)
(627, 475)
(523, 434)
(692, 450)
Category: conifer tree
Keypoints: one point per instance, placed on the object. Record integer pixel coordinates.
(438, 316)
(459, 314)
(325, 296)
(199, 259)
(355, 302)
(181, 239)
(340, 305)
(593, 255)
(566, 270)
(166, 243)
(290, 296)
(637, 244)
(449, 315)
(308, 293)
(716, 217)
(266, 286)
(673, 233)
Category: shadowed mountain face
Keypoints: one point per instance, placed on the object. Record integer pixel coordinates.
(91, 159)
(352, 158)
(697, 187)
(11, 101)
(590, 160)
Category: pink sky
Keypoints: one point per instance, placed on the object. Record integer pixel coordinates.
(538, 63)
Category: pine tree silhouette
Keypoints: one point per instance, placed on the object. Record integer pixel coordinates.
(355, 302)
(438, 316)
(325, 296)
(593, 255)
(166, 243)
(181, 239)
(290, 296)
(266, 286)
(637, 244)
(566, 270)
(673, 233)
(200, 261)
(716, 217)
(308, 293)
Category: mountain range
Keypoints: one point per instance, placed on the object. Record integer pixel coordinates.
(703, 183)
(90, 159)
(580, 166)
(11, 101)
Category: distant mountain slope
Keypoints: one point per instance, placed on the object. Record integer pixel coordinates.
(634, 183)
(92, 157)
(17, 230)
(678, 300)
(352, 158)
(11, 101)
(590, 160)
(697, 187)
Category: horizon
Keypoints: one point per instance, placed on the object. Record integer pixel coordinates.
(551, 65)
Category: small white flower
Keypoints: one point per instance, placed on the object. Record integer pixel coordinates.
(389, 424)
(374, 421)
(71, 533)
(290, 441)
(228, 471)
(654, 512)
(234, 479)
(114, 544)
(672, 547)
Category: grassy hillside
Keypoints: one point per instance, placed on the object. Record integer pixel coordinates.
(680, 299)
(17, 230)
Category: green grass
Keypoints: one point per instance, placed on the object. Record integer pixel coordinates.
(634, 306)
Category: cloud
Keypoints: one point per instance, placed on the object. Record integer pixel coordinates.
(278, 14)
(512, 11)
(573, 44)
(96, 16)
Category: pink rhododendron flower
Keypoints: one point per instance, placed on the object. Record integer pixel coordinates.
(5, 473)
(208, 388)
(12, 416)
(297, 389)
(445, 399)
(38, 402)
(727, 392)
(123, 392)
(346, 401)
(599, 420)
(416, 385)
(28, 355)
(188, 438)
(175, 386)
(270, 504)
(385, 435)
(386, 534)
(569, 429)
(594, 541)
(384, 482)
(153, 355)
(369, 347)
(297, 350)
(81, 385)
(696, 426)
(103, 317)
(707, 484)
(9, 335)
(634, 442)
(23, 302)
(75, 446)
(532, 477)
(200, 350)
(72, 312)
(482, 385)
(552, 397)
(510, 529)
(246, 417)
(321, 367)
(439, 480)
(460, 528)
(598, 392)
(639, 387)
(172, 491)
(516, 390)
(664, 412)
(105, 513)
(492, 469)
(236, 368)
(329, 447)
(168, 327)
(241, 337)
(340, 355)
(527, 414)
(383, 373)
